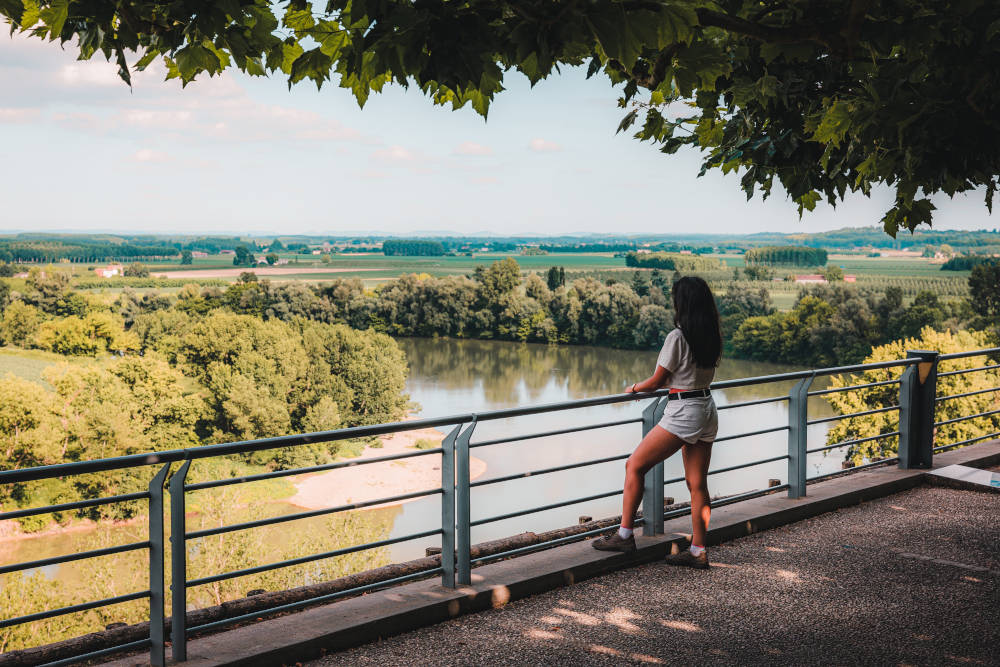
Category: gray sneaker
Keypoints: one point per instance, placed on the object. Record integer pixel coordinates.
(614, 542)
(685, 558)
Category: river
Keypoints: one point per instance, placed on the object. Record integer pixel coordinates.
(460, 376)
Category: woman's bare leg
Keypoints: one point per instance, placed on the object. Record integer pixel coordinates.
(658, 445)
(696, 459)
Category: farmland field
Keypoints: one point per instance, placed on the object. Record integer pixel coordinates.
(911, 274)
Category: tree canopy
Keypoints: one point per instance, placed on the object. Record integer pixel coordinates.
(822, 96)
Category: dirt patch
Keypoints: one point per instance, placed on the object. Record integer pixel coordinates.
(378, 480)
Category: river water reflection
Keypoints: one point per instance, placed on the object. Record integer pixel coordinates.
(462, 376)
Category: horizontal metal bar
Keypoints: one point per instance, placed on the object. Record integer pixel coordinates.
(749, 465)
(308, 559)
(731, 500)
(80, 504)
(56, 560)
(969, 370)
(773, 429)
(223, 449)
(968, 393)
(302, 471)
(962, 419)
(968, 442)
(858, 441)
(543, 508)
(62, 611)
(821, 392)
(775, 399)
(852, 414)
(131, 646)
(544, 545)
(873, 464)
(561, 431)
(532, 473)
(322, 598)
(242, 447)
(962, 355)
(307, 515)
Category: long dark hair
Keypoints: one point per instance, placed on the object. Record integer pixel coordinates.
(696, 315)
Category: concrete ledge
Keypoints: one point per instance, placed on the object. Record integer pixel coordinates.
(309, 634)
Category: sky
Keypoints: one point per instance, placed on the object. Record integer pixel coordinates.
(80, 151)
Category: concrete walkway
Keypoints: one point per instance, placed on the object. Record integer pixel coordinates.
(912, 578)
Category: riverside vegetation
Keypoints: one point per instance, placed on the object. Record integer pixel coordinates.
(149, 371)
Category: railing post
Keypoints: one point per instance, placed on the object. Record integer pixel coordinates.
(798, 416)
(463, 508)
(652, 491)
(917, 390)
(448, 508)
(157, 654)
(178, 565)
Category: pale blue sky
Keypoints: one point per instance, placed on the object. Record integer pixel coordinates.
(79, 151)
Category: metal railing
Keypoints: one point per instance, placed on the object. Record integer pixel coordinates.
(916, 405)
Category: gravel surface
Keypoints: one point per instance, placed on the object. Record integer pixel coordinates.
(912, 579)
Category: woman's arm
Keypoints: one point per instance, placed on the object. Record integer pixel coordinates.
(657, 380)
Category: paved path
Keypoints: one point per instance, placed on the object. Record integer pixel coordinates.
(911, 579)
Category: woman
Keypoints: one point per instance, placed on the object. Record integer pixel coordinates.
(690, 422)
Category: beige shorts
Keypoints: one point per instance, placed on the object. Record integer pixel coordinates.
(691, 419)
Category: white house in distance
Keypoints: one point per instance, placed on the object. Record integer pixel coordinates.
(109, 271)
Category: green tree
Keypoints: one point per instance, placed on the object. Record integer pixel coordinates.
(803, 95)
(871, 398)
(833, 273)
(19, 324)
(244, 257)
(187, 257)
(272, 258)
(50, 291)
(556, 277)
(136, 270)
(984, 293)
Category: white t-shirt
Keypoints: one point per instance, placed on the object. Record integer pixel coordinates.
(677, 359)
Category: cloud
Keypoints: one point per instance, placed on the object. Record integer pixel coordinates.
(484, 180)
(394, 154)
(544, 146)
(90, 73)
(149, 155)
(8, 115)
(472, 148)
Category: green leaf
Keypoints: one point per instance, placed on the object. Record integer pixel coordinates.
(312, 64)
(13, 9)
(194, 59)
(146, 59)
(834, 124)
(299, 19)
(627, 121)
(54, 16)
(290, 52)
(331, 37)
(31, 14)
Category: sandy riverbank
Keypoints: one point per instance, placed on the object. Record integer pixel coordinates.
(378, 480)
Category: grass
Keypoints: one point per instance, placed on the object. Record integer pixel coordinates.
(29, 364)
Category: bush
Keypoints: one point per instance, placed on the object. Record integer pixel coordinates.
(426, 443)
